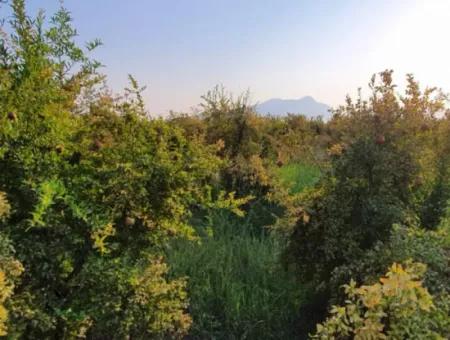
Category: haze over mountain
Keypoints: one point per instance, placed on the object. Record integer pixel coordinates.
(307, 106)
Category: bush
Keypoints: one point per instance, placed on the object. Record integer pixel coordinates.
(349, 212)
(94, 197)
(398, 307)
(431, 247)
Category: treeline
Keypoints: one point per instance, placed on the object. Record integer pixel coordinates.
(104, 209)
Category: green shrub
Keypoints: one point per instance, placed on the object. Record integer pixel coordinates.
(398, 307)
(353, 208)
(94, 197)
(431, 247)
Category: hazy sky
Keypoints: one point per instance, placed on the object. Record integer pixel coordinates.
(276, 48)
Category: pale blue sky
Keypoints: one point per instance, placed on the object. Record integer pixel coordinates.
(276, 48)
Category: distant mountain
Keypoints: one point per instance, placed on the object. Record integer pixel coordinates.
(307, 106)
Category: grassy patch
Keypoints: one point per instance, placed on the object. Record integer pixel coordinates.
(237, 287)
(299, 176)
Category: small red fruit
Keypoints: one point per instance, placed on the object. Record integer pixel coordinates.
(424, 127)
(380, 140)
(59, 149)
(97, 145)
(12, 116)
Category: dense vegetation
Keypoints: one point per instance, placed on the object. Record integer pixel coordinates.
(219, 225)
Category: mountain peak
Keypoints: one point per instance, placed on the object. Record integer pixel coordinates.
(308, 98)
(306, 105)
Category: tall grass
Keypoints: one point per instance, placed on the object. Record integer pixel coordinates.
(299, 176)
(237, 287)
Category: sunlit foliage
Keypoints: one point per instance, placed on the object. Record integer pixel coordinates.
(398, 307)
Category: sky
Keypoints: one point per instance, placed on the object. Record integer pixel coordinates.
(181, 49)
